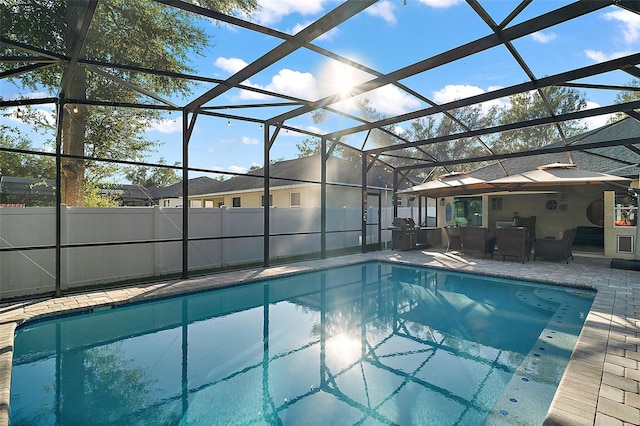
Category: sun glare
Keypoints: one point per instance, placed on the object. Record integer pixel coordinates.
(344, 348)
(337, 78)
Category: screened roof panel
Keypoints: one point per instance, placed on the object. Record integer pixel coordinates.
(413, 61)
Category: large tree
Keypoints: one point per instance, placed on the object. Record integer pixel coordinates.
(153, 177)
(529, 106)
(626, 96)
(127, 32)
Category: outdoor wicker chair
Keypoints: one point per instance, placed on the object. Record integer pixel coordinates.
(477, 240)
(530, 224)
(453, 235)
(513, 241)
(558, 248)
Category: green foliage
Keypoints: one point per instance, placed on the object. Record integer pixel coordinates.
(130, 32)
(17, 164)
(521, 107)
(459, 121)
(529, 106)
(153, 177)
(94, 197)
(127, 32)
(308, 147)
(626, 96)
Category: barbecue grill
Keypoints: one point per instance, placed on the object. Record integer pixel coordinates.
(403, 233)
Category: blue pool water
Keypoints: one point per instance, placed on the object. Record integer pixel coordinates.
(373, 343)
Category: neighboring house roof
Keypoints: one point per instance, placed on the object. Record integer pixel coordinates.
(196, 186)
(299, 171)
(126, 192)
(613, 160)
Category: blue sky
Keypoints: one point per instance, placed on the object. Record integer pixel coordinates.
(387, 36)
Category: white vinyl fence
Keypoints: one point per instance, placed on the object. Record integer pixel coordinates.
(30, 272)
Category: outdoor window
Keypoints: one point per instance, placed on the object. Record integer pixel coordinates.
(270, 200)
(236, 202)
(625, 212)
(295, 199)
(468, 211)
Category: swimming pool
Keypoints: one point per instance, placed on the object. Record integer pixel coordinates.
(364, 344)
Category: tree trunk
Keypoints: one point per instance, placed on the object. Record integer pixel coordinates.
(73, 123)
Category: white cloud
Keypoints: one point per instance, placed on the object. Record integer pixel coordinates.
(440, 3)
(384, 10)
(398, 130)
(391, 100)
(452, 92)
(629, 23)
(597, 121)
(287, 82)
(541, 37)
(249, 141)
(230, 65)
(386, 100)
(32, 95)
(167, 126)
(293, 83)
(315, 129)
(272, 11)
(598, 56)
(329, 35)
(245, 140)
(237, 169)
(42, 115)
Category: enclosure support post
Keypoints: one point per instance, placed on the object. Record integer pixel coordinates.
(323, 198)
(364, 203)
(61, 103)
(187, 130)
(394, 199)
(265, 203)
(266, 253)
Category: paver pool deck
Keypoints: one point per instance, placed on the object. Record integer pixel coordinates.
(599, 387)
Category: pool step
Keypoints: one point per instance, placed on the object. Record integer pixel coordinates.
(529, 297)
(534, 382)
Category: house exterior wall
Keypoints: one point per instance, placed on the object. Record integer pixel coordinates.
(570, 209)
(337, 196)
